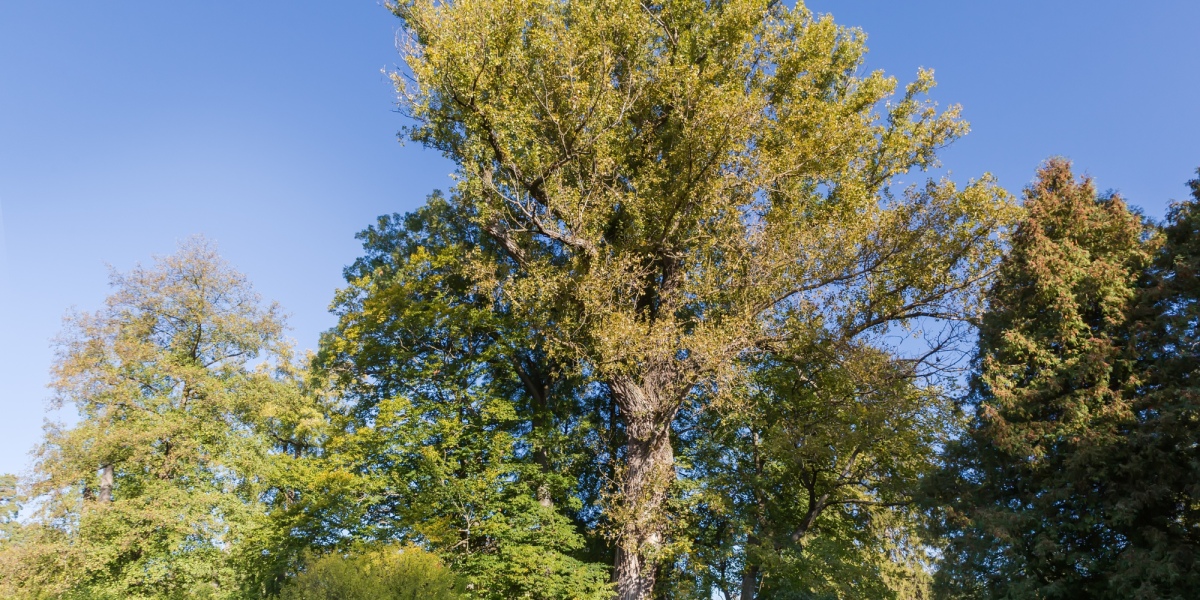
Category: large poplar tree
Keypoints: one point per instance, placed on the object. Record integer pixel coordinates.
(673, 185)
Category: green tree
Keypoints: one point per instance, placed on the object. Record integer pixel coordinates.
(161, 488)
(810, 484)
(10, 507)
(676, 184)
(10, 530)
(1156, 504)
(387, 573)
(1029, 489)
(452, 435)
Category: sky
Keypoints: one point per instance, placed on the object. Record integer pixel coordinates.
(271, 128)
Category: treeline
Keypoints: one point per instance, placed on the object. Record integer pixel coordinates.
(673, 334)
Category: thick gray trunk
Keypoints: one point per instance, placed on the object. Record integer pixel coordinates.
(649, 472)
(106, 483)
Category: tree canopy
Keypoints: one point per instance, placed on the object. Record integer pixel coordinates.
(164, 487)
(672, 186)
(1073, 479)
(695, 321)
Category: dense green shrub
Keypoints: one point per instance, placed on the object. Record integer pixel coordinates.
(380, 573)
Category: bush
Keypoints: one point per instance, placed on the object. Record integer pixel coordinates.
(380, 573)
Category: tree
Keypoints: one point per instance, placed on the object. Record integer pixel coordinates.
(380, 573)
(163, 486)
(811, 482)
(673, 185)
(10, 508)
(10, 528)
(455, 437)
(1156, 504)
(1029, 490)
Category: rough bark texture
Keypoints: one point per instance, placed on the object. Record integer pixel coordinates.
(649, 471)
(106, 483)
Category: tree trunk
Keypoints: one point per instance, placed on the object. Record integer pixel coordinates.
(106, 483)
(539, 391)
(649, 472)
(750, 574)
(749, 582)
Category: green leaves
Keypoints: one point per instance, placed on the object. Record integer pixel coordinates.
(458, 430)
(808, 489)
(164, 486)
(380, 573)
(667, 189)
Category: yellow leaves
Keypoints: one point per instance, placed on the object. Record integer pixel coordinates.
(374, 571)
(670, 187)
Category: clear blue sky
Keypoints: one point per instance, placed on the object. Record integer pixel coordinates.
(268, 126)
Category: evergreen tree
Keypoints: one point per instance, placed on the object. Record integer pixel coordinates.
(1157, 504)
(1029, 489)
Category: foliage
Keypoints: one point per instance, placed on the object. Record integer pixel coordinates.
(9, 508)
(676, 333)
(808, 489)
(387, 573)
(163, 487)
(1156, 475)
(448, 401)
(1030, 488)
(668, 187)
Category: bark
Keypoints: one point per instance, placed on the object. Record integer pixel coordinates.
(749, 582)
(106, 483)
(815, 507)
(649, 472)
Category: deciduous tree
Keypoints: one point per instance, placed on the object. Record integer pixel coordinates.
(811, 482)
(678, 184)
(163, 487)
(458, 432)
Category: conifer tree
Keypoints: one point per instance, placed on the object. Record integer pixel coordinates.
(1157, 504)
(1029, 490)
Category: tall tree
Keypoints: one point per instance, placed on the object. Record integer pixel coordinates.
(460, 432)
(677, 184)
(10, 507)
(811, 481)
(1030, 487)
(161, 488)
(1156, 505)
